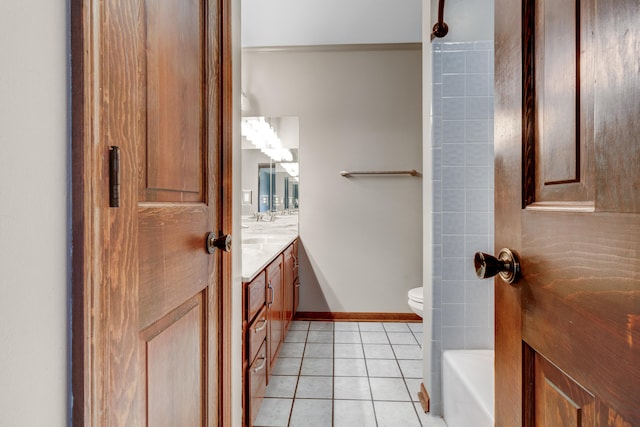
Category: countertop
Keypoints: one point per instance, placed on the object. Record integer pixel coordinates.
(263, 240)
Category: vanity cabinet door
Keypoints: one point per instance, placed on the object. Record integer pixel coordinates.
(256, 334)
(255, 299)
(289, 264)
(296, 278)
(275, 332)
(257, 383)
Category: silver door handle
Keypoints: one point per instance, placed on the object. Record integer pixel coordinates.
(222, 242)
(261, 366)
(264, 325)
(507, 264)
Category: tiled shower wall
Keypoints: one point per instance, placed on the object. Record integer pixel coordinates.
(462, 144)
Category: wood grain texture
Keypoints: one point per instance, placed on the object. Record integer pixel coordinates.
(220, 18)
(616, 62)
(578, 302)
(559, 400)
(81, 101)
(288, 286)
(511, 195)
(121, 118)
(109, 101)
(257, 383)
(425, 400)
(256, 296)
(586, 286)
(275, 306)
(175, 102)
(557, 94)
(256, 334)
(172, 368)
(175, 234)
(529, 116)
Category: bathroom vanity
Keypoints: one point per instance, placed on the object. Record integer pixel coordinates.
(269, 301)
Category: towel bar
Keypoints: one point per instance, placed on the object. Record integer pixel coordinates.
(348, 174)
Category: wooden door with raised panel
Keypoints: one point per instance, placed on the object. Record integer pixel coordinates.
(567, 147)
(156, 357)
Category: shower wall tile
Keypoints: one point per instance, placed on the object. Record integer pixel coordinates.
(437, 324)
(453, 154)
(477, 84)
(452, 268)
(478, 337)
(478, 154)
(453, 291)
(453, 108)
(452, 246)
(477, 176)
(437, 229)
(453, 130)
(476, 314)
(437, 291)
(453, 200)
(453, 223)
(453, 314)
(457, 46)
(476, 130)
(436, 130)
(476, 223)
(453, 62)
(437, 67)
(453, 84)
(477, 61)
(477, 107)
(437, 164)
(453, 177)
(484, 44)
(453, 337)
(437, 196)
(477, 291)
(462, 141)
(436, 105)
(476, 200)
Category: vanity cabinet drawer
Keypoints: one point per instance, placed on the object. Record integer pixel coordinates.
(257, 377)
(255, 296)
(257, 333)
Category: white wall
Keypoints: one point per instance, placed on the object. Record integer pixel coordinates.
(308, 23)
(319, 22)
(359, 109)
(33, 216)
(467, 20)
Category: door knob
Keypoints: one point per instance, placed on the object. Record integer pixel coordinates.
(222, 242)
(506, 264)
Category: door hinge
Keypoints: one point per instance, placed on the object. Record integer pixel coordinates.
(114, 177)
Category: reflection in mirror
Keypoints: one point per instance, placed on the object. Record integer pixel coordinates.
(270, 169)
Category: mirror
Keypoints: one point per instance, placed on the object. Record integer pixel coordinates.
(270, 168)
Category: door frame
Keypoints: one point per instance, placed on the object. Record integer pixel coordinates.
(90, 219)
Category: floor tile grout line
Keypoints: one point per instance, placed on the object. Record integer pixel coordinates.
(366, 369)
(295, 391)
(366, 366)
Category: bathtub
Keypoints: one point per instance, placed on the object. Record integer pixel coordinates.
(467, 388)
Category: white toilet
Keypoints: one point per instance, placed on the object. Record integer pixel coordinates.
(415, 300)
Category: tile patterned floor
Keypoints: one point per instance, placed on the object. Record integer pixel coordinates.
(335, 374)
